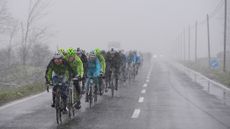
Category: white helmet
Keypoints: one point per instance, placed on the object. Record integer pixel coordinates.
(57, 56)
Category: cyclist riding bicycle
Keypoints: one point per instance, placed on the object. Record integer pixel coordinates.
(103, 68)
(123, 63)
(57, 71)
(84, 61)
(93, 71)
(78, 71)
(113, 62)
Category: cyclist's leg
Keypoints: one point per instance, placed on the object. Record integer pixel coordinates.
(100, 84)
(83, 84)
(78, 91)
(87, 89)
(54, 81)
(96, 80)
(64, 94)
(116, 79)
(53, 96)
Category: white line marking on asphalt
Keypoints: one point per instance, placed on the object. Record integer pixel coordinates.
(136, 113)
(143, 91)
(147, 80)
(145, 85)
(141, 100)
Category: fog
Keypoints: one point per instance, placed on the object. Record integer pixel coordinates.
(147, 25)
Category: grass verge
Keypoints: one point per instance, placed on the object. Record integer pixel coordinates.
(11, 94)
(214, 74)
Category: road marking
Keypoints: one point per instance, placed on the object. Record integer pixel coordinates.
(145, 85)
(141, 100)
(136, 113)
(143, 91)
(147, 80)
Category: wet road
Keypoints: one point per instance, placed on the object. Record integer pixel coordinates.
(161, 97)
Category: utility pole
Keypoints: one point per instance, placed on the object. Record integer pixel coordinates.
(184, 46)
(196, 42)
(181, 41)
(225, 35)
(178, 47)
(189, 56)
(208, 32)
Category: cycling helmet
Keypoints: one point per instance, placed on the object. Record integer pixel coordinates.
(61, 50)
(78, 51)
(71, 52)
(97, 51)
(57, 56)
(112, 51)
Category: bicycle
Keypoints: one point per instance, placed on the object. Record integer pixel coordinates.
(112, 82)
(101, 84)
(72, 98)
(91, 88)
(58, 101)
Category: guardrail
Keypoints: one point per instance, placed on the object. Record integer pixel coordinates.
(210, 83)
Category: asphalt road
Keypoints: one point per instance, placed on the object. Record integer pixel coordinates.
(161, 97)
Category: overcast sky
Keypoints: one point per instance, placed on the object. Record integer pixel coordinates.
(150, 25)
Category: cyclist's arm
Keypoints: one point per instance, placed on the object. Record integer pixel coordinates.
(49, 73)
(98, 68)
(69, 72)
(80, 68)
(103, 64)
(47, 69)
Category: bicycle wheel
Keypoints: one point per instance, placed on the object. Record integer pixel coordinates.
(70, 104)
(58, 106)
(95, 89)
(90, 96)
(73, 96)
(112, 87)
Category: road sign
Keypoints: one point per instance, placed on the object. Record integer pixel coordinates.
(214, 63)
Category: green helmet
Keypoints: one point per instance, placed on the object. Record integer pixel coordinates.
(61, 51)
(97, 51)
(71, 52)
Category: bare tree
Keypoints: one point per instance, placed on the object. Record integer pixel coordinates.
(5, 17)
(28, 28)
(12, 33)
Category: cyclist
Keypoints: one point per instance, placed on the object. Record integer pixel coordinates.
(78, 71)
(122, 65)
(84, 61)
(93, 71)
(113, 60)
(103, 67)
(57, 71)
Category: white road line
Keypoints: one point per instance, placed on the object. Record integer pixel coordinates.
(147, 80)
(143, 91)
(145, 85)
(141, 100)
(136, 113)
